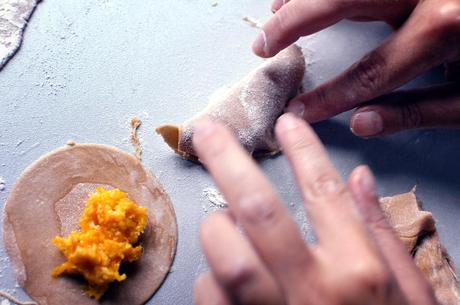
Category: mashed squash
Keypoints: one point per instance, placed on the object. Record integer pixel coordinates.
(110, 226)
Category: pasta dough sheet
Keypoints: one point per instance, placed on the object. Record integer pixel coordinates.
(48, 200)
(417, 230)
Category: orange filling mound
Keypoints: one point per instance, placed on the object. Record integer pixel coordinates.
(110, 226)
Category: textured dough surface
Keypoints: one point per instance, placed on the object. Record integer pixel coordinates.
(249, 108)
(48, 199)
(417, 230)
(14, 15)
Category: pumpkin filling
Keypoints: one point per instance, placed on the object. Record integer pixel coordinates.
(110, 226)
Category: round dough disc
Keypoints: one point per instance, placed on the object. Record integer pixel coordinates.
(48, 199)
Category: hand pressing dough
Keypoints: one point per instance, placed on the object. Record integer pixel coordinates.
(48, 200)
(417, 230)
(249, 108)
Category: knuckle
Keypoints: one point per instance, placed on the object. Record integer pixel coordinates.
(284, 21)
(299, 145)
(326, 185)
(347, 7)
(321, 97)
(323, 105)
(370, 276)
(236, 274)
(367, 76)
(379, 223)
(410, 116)
(280, 24)
(259, 208)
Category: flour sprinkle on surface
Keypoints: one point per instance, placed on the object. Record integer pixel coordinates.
(215, 198)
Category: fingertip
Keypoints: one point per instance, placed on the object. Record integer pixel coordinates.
(260, 45)
(286, 122)
(313, 106)
(277, 4)
(210, 139)
(352, 179)
(367, 123)
(362, 185)
(296, 107)
(202, 130)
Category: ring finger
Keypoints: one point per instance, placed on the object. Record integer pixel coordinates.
(235, 265)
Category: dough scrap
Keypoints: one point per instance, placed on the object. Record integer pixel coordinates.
(135, 124)
(14, 15)
(249, 108)
(48, 199)
(417, 230)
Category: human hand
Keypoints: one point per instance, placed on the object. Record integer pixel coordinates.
(427, 35)
(357, 260)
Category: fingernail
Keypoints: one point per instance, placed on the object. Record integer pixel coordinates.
(367, 123)
(277, 4)
(203, 130)
(287, 122)
(296, 107)
(260, 46)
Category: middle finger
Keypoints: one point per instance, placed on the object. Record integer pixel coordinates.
(330, 205)
(271, 230)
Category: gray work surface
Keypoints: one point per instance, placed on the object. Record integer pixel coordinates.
(86, 67)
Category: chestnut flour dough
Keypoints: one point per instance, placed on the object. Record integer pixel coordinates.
(416, 228)
(48, 200)
(249, 108)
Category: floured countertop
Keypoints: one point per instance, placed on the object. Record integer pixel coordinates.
(87, 67)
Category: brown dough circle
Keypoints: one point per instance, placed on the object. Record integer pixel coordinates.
(47, 200)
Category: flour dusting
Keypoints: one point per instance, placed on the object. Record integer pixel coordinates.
(14, 15)
(5, 302)
(215, 198)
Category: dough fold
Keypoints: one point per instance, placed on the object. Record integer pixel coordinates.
(249, 108)
(417, 230)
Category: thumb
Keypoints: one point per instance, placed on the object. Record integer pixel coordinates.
(430, 107)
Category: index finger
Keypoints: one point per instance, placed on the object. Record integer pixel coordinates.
(424, 41)
(256, 206)
(294, 19)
